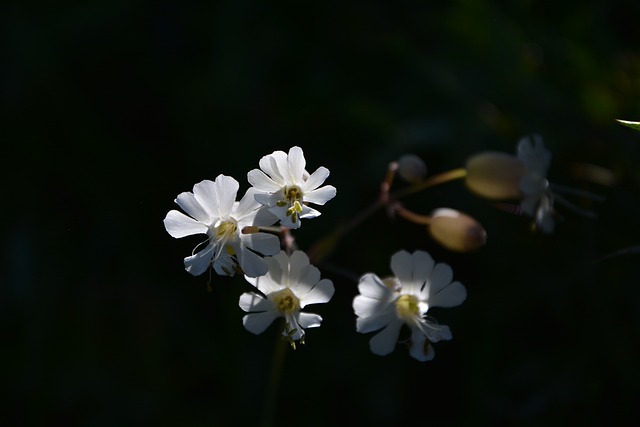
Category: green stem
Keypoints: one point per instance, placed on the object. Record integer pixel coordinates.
(277, 364)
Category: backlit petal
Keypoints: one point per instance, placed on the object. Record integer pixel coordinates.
(385, 341)
(179, 225)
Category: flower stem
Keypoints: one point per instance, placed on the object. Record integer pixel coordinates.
(277, 363)
(325, 245)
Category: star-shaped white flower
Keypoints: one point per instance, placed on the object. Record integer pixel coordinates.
(286, 188)
(537, 198)
(404, 299)
(214, 211)
(290, 285)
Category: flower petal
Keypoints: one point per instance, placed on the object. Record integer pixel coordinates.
(264, 243)
(257, 323)
(262, 182)
(441, 277)
(269, 166)
(418, 344)
(316, 179)
(296, 163)
(309, 320)
(320, 196)
(251, 302)
(372, 286)
(188, 202)
(385, 341)
(225, 265)
(450, 296)
(179, 225)
(226, 189)
(247, 208)
(205, 194)
(296, 263)
(200, 262)
(321, 293)
(378, 319)
(402, 267)
(422, 267)
(251, 264)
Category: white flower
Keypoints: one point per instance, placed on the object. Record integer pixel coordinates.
(214, 211)
(290, 285)
(286, 188)
(419, 284)
(537, 199)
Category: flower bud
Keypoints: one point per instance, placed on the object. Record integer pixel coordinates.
(456, 231)
(412, 168)
(494, 175)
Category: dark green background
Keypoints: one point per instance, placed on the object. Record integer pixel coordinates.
(113, 108)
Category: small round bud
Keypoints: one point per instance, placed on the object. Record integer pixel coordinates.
(494, 175)
(412, 168)
(456, 231)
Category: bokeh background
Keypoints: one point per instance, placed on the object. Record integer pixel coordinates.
(112, 108)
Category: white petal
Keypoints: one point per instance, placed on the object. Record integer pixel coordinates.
(308, 277)
(371, 286)
(226, 189)
(280, 164)
(441, 276)
(199, 263)
(188, 202)
(375, 322)
(422, 267)
(385, 341)
(321, 293)
(316, 179)
(267, 166)
(258, 322)
(309, 320)
(247, 207)
(450, 296)
(262, 218)
(225, 265)
(417, 350)
(296, 164)
(262, 182)
(250, 301)
(179, 225)
(251, 264)
(264, 243)
(296, 262)
(205, 194)
(308, 212)
(320, 196)
(272, 281)
(402, 267)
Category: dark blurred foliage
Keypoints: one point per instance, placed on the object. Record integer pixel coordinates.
(112, 108)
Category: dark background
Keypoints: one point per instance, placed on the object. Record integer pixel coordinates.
(113, 108)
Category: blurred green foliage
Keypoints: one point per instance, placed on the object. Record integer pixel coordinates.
(111, 109)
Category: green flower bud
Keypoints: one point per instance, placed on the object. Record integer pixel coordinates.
(412, 168)
(456, 231)
(494, 175)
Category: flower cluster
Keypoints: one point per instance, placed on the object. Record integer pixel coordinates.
(238, 238)
(243, 237)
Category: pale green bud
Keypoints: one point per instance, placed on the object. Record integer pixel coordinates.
(494, 175)
(456, 231)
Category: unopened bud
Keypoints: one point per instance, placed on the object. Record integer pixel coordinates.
(250, 229)
(494, 175)
(412, 168)
(456, 231)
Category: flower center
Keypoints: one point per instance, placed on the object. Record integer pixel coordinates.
(407, 307)
(226, 229)
(286, 301)
(292, 198)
